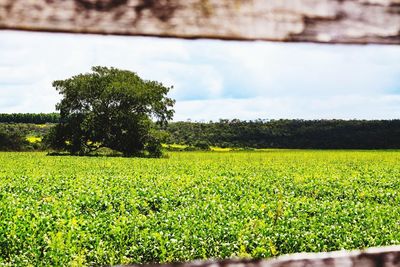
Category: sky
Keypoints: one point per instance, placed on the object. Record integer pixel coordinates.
(212, 79)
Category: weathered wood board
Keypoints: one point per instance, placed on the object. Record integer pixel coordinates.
(330, 21)
(372, 257)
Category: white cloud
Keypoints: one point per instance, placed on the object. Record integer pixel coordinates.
(271, 69)
(333, 107)
(211, 79)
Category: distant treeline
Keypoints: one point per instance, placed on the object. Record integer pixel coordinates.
(35, 118)
(12, 142)
(14, 136)
(318, 134)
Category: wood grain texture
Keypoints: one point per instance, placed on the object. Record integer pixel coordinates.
(330, 21)
(372, 257)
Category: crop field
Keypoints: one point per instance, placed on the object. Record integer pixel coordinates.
(61, 210)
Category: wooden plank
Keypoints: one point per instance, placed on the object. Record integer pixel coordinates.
(330, 21)
(372, 257)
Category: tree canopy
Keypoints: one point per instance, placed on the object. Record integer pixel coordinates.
(110, 108)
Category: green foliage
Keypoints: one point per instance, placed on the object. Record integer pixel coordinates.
(26, 129)
(35, 118)
(321, 134)
(109, 108)
(154, 147)
(318, 134)
(60, 211)
(22, 136)
(202, 145)
(11, 141)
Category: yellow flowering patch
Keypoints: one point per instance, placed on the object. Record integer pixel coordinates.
(34, 139)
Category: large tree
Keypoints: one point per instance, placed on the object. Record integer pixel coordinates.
(110, 108)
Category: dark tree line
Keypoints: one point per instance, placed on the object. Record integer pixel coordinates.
(318, 134)
(35, 118)
(13, 136)
(11, 141)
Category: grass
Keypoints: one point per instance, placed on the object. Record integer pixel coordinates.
(194, 205)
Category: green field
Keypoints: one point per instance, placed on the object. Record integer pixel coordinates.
(65, 210)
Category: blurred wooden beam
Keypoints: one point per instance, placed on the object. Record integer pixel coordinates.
(372, 257)
(327, 21)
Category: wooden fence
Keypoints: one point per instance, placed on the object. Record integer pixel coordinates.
(326, 21)
(372, 257)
